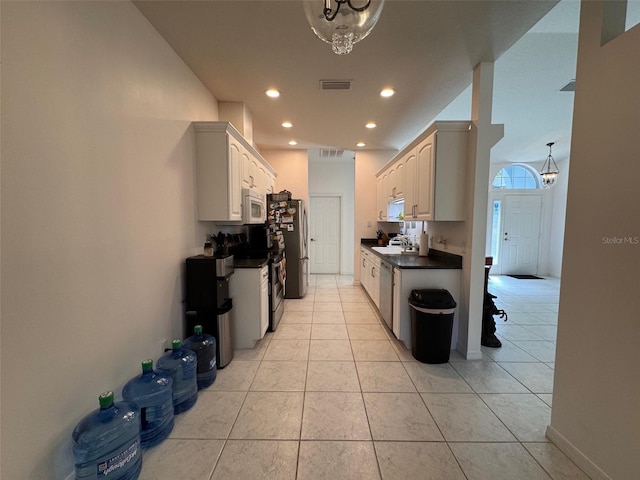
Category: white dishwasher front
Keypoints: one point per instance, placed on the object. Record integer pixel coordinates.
(386, 293)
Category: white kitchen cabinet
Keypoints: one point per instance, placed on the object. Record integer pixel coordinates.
(430, 173)
(218, 172)
(249, 291)
(381, 197)
(395, 182)
(370, 275)
(225, 164)
(247, 174)
(438, 173)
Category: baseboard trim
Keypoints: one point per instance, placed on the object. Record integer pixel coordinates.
(469, 354)
(579, 458)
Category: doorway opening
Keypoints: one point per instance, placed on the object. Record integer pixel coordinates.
(325, 235)
(514, 221)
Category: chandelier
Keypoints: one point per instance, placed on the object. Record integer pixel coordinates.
(341, 23)
(549, 170)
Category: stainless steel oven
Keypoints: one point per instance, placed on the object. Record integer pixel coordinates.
(277, 277)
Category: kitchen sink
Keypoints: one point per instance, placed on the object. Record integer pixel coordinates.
(390, 250)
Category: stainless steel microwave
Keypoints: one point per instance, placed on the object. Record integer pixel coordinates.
(253, 207)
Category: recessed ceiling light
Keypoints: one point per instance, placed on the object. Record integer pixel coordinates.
(387, 92)
(273, 93)
(293, 143)
(287, 124)
(360, 144)
(371, 125)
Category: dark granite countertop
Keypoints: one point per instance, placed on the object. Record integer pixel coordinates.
(436, 259)
(250, 262)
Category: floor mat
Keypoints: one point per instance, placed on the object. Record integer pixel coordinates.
(526, 277)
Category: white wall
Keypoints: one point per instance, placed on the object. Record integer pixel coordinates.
(596, 394)
(330, 177)
(368, 163)
(98, 214)
(558, 217)
(293, 171)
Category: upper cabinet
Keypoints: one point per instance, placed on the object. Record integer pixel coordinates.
(225, 164)
(430, 173)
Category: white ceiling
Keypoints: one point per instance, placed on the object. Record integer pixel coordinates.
(424, 49)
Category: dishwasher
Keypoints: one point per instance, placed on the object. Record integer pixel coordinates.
(386, 293)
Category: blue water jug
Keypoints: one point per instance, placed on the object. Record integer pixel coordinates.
(181, 364)
(204, 347)
(106, 443)
(152, 393)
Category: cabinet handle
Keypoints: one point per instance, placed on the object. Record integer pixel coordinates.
(373, 273)
(363, 263)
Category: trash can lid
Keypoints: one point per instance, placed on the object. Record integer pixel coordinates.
(432, 298)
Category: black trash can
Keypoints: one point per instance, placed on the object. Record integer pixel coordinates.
(431, 324)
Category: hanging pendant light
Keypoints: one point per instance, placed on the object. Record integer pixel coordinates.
(341, 23)
(549, 170)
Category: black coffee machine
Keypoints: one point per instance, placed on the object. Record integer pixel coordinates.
(208, 303)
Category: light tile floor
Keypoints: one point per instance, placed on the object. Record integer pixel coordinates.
(332, 395)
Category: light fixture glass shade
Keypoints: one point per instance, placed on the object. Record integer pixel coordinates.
(348, 27)
(549, 170)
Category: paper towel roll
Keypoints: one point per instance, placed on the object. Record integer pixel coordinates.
(423, 245)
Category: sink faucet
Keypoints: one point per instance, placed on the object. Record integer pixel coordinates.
(405, 244)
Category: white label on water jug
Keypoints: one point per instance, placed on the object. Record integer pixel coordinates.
(116, 463)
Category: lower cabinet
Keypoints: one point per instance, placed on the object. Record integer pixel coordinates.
(249, 291)
(370, 275)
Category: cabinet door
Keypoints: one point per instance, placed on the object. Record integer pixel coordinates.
(363, 269)
(409, 162)
(271, 183)
(235, 180)
(246, 169)
(391, 185)
(399, 180)
(375, 284)
(264, 302)
(382, 197)
(425, 179)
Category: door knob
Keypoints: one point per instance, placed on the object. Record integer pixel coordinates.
(313, 239)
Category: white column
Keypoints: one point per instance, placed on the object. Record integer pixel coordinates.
(483, 136)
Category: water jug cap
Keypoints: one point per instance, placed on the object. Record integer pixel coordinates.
(176, 344)
(106, 399)
(147, 365)
(197, 329)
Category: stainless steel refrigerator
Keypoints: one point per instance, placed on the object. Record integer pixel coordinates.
(293, 224)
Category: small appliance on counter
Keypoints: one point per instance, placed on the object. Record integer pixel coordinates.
(208, 303)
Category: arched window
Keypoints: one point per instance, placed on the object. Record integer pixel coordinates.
(516, 177)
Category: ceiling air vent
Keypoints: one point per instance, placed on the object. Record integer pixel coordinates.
(569, 87)
(335, 84)
(331, 153)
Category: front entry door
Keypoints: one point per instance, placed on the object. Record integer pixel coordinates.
(520, 235)
(324, 234)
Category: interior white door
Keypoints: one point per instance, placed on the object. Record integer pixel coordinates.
(520, 234)
(324, 234)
